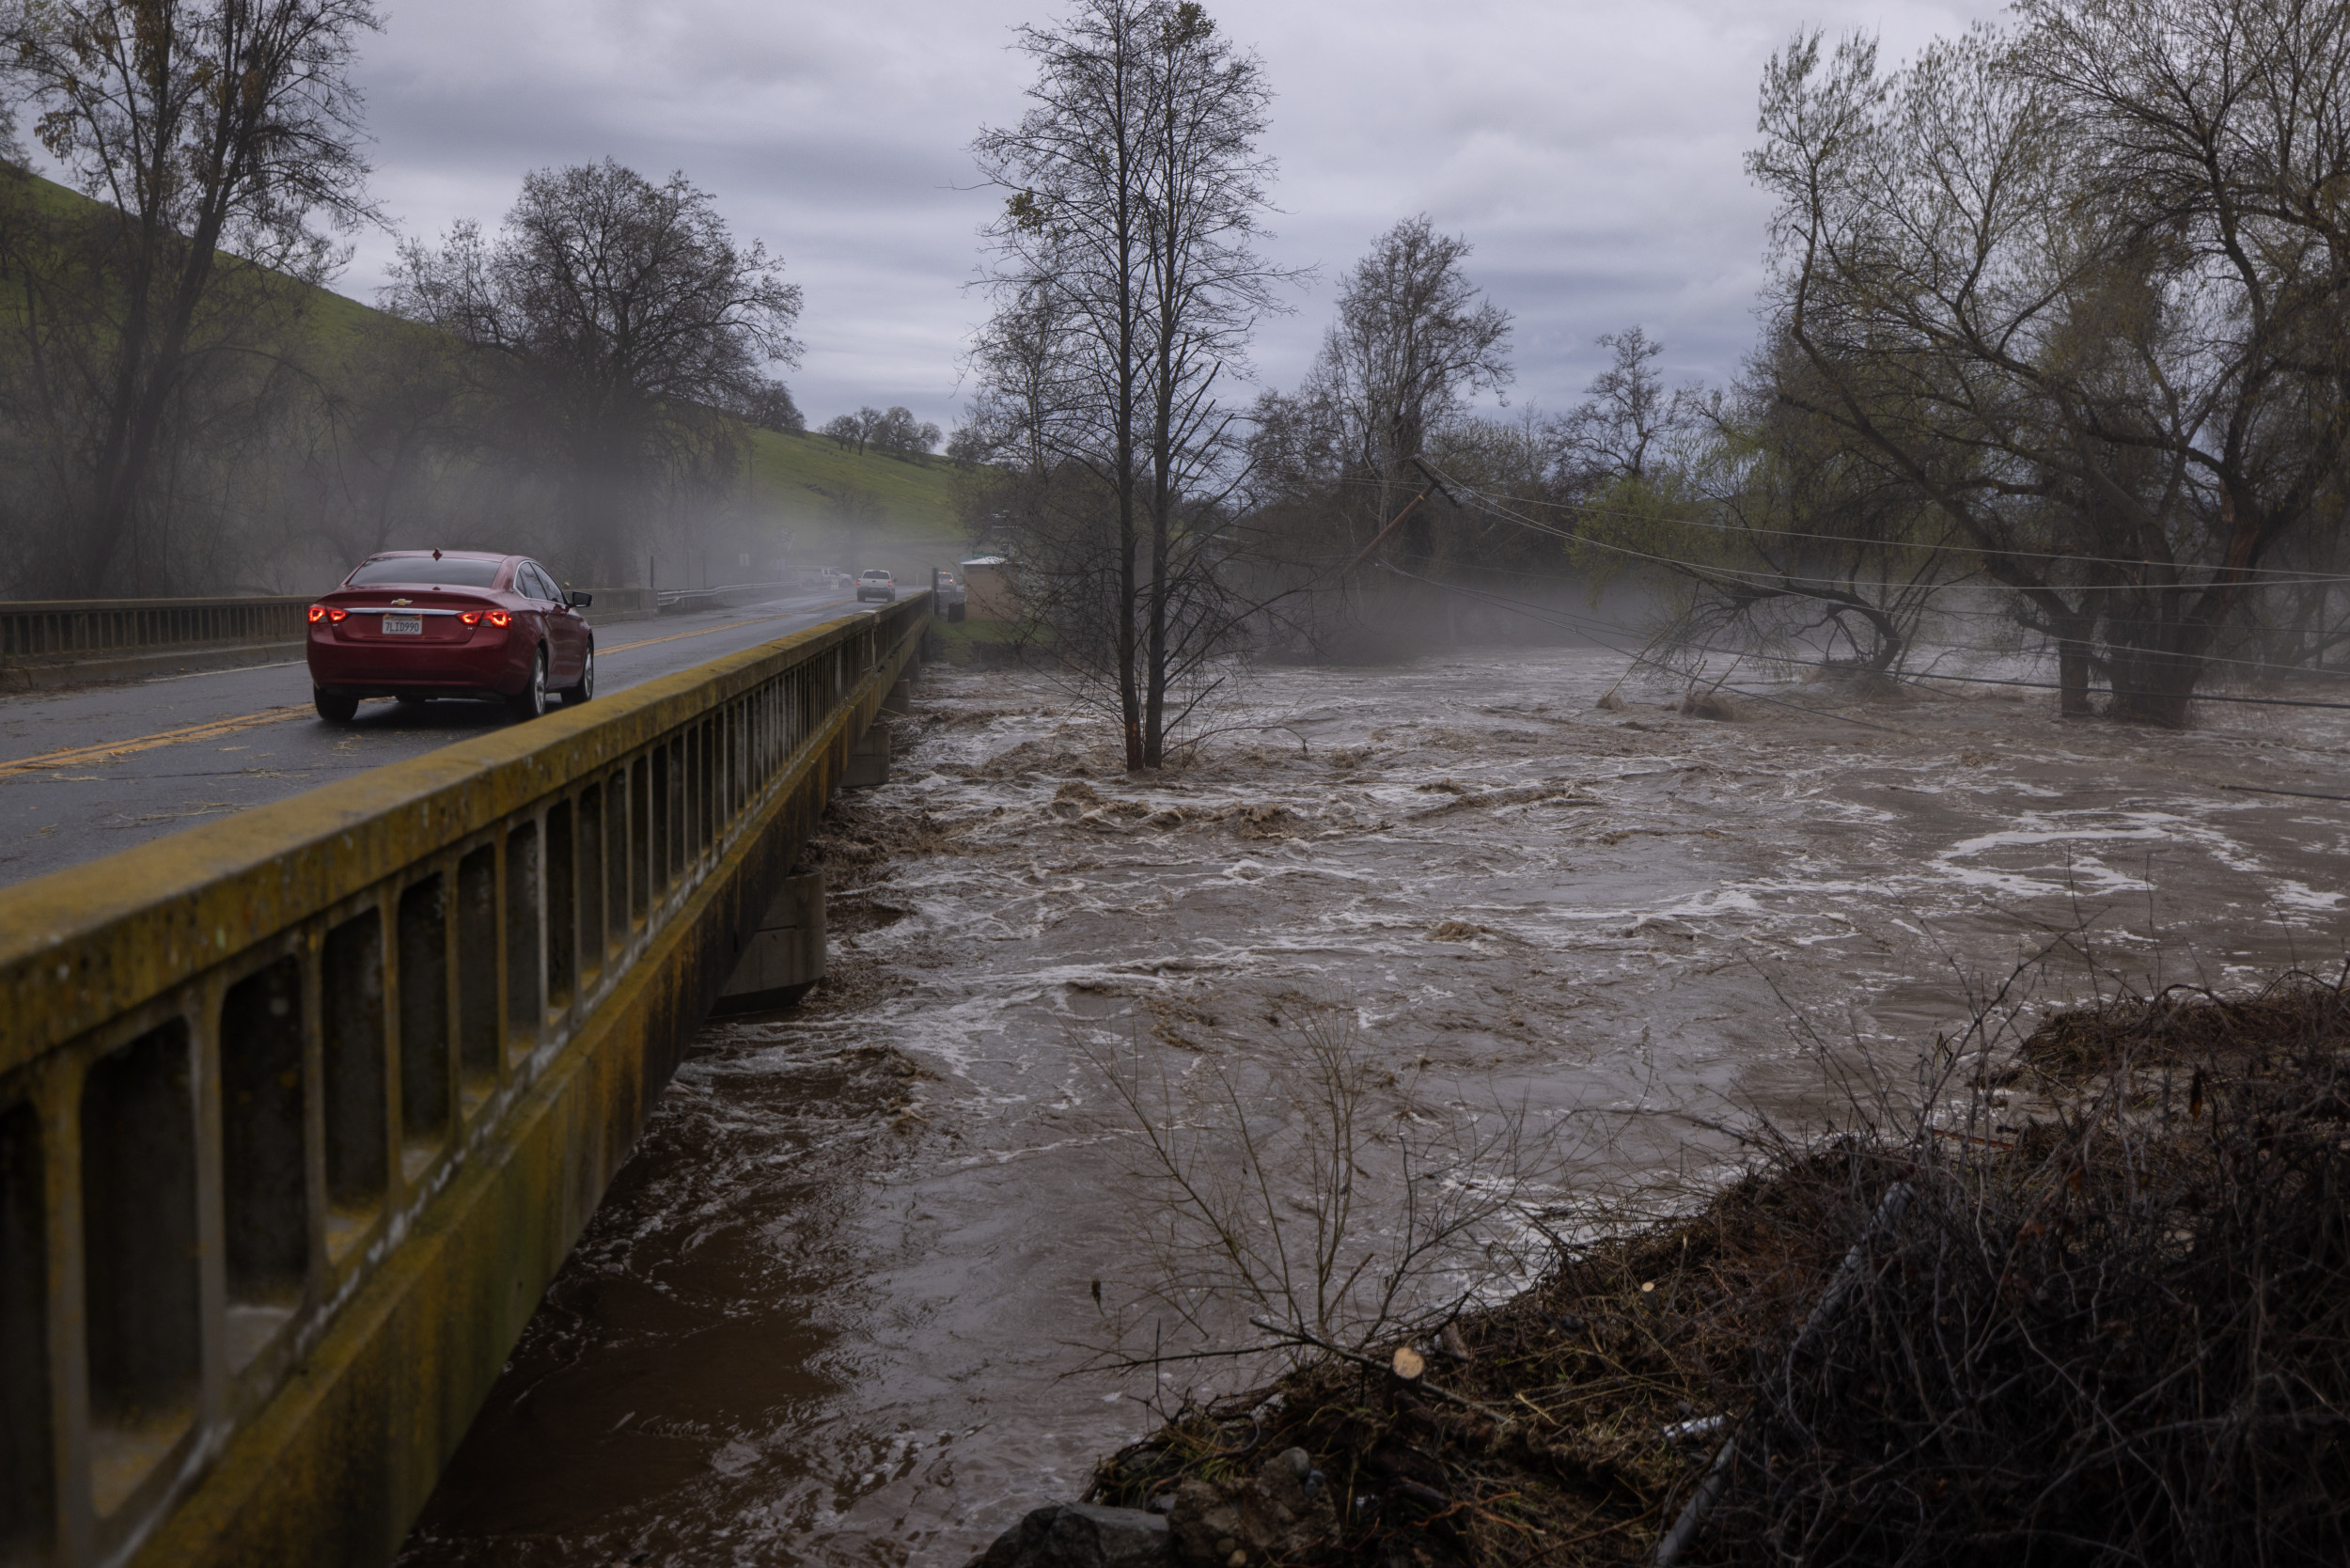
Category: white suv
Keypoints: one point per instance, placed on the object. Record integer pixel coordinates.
(876, 585)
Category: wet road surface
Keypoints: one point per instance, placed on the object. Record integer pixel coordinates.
(88, 771)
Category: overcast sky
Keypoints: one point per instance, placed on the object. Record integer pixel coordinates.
(1591, 153)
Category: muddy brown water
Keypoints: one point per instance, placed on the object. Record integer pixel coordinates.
(835, 1307)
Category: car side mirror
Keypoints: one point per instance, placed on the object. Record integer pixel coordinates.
(579, 601)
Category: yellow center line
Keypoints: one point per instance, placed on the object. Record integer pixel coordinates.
(109, 750)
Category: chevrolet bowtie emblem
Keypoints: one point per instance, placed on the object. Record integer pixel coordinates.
(397, 601)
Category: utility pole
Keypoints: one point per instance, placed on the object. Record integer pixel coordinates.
(1433, 485)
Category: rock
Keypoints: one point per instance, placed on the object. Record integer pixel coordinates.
(1664, 927)
(1709, 705)
(1283, 1512)
(1071, 800)
(1610, 702)
(1079, 1535)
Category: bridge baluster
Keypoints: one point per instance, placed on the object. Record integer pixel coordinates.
(526, 1007)
(615, 863)
(642, 856)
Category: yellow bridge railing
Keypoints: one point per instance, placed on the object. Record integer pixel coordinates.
(300, 1111)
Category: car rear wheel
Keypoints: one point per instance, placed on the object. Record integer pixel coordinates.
(576, 694)
(334, 708)
(531, 700)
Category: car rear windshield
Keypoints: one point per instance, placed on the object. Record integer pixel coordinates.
(877, 576)
(418, 571)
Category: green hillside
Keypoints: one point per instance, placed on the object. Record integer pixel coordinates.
(809, 501)
(852, 511)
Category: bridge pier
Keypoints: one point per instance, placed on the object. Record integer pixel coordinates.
(868, 761)
(785, 957)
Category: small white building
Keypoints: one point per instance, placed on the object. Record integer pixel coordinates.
(990, 593)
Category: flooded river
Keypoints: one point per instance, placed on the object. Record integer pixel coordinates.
(833, 1309)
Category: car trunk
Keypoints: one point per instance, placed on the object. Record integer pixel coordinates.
(435, 616)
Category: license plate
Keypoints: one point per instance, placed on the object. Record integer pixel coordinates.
(404, 626)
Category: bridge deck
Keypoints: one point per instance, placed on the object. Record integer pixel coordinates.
(300, 1108)
(87, 773)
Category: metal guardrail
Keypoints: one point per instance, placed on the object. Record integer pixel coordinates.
(33, 629)
(718, 597)
(301, 1109)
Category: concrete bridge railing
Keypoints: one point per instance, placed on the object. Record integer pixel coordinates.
(52, 631)
(34, 629)
(301, 1110)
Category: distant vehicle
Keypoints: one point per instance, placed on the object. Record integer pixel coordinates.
(876, 585)
(949, 594)
(420, 624)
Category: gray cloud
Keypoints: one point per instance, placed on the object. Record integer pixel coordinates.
(1591, 153)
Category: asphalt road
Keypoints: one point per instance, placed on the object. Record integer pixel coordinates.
(84, 774)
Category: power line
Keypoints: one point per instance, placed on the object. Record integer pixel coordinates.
(1638, 658)
(2286, 575)
(1781, 578)
(1557, 618)
(1773, 579)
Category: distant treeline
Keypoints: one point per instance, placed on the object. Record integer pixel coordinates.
(182, 408)
(2055, 357)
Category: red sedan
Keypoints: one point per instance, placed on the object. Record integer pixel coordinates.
(417, 624)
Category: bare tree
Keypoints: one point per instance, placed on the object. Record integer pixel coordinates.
(870, 424)
(767, 405)
(200, 126)
(624, 310)
(898, 433)
(1136, 191)
(2082, 285)
(1299, 1199)
(1414, 343)
(1628, 415)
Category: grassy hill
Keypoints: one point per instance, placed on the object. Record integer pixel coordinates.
(809, 500)
(852, 511)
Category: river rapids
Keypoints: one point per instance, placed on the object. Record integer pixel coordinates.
(837, 1307)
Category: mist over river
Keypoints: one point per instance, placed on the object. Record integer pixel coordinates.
(827, 1313)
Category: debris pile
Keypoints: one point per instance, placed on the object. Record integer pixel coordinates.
(2093, 1307)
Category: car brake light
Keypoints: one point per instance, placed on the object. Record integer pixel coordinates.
(318, 613)
(336, 613)
(471, 618)
(499, 618)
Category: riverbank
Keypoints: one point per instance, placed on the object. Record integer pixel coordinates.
(2112, 1327)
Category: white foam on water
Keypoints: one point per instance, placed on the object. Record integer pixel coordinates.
(1638, 934)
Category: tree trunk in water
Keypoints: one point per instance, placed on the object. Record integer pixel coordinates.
(2154, 688)
(2072, 678)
